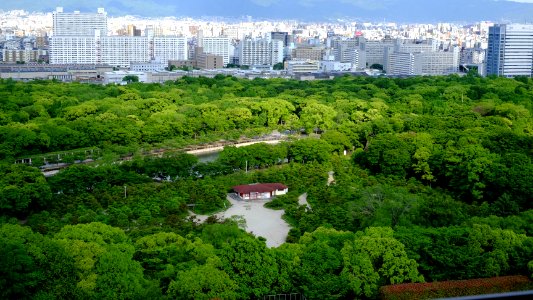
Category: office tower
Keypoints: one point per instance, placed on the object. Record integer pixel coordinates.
(277, 52)
(217, 46)
(79, 24)
(375, 51)
(280, 36)
(400, 63)
(420, 58)
(260, 52)
(437, 62)
(353, 56)
(510, 50)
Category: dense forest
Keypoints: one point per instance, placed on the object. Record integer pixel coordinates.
(433, 181)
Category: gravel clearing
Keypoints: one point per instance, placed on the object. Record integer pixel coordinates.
(260, 221)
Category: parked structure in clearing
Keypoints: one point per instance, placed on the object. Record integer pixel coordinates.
(259, 191)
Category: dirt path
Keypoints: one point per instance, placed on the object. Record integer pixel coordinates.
(302, 200)
(220, 148)
(331, 179)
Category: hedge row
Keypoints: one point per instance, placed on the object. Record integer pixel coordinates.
(455, 288)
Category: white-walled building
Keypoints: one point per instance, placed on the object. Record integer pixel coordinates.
(119, 51)
(82, 39)
(155, 65)
(79, 24)
(260, 52)
(169, 48)
(400, 63)
(510, 50)
(347, 54)
(437, 63)
(420, 59)
(309, 66)
(218, 46)
(73, 50)
(25, 55)
(116, 77)
(260, 190)
(375, 51)
(334, 66)
(115, 50)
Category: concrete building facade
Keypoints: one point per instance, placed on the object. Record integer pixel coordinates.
(217, 46)
(79, 24)
(510, 50)
(295, 66)
(260, 52)
(308, 53)
(82, 39)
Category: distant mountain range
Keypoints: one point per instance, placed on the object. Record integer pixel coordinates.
(307, 10)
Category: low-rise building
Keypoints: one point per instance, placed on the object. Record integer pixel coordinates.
(260, 190)
(117, 77)
(334, 66)
(67, 73)
(209, 61)
(309, 66)
(25, 55)
(308, 53)
(154, 65)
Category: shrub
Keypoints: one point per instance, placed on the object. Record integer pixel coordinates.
(456, 288)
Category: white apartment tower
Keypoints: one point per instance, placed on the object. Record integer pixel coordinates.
(510, 50)
(169, 48)
(217, 46)
(122, 50)
(82, 39)
(79, 24)
(260, 52)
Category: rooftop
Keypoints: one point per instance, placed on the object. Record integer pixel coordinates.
(259, 188)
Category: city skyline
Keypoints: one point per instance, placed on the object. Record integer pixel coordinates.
(305, 10)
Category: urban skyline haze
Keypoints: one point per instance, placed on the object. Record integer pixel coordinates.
(306, 10)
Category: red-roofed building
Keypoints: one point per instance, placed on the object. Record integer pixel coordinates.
(260, 190)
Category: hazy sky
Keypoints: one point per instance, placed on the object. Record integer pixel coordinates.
(311, 10)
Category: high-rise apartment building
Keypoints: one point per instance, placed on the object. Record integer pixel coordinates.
(217, 46)
(260, 52)
(510, 50)
(169, 47)
(79, 24)
(82, 39)
(73, 50)
(122, 50)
